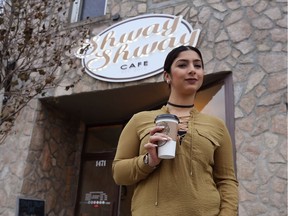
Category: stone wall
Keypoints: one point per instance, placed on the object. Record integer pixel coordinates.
(247, 37)
(13, 154)
(41, 160)
(53, 162)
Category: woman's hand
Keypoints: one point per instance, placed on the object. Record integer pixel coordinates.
(151, 147)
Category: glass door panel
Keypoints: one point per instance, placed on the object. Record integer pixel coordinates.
(125, 200)
(99, 193)
(103, 138)
(212, 100)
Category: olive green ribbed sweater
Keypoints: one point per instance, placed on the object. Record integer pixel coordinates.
(199, 181)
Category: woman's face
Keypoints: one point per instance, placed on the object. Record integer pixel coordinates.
(186, 73)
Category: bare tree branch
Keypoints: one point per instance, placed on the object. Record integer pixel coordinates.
(32, 46)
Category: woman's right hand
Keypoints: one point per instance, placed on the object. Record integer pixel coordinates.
(151, 147)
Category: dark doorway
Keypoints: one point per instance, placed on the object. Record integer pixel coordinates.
(98, 195)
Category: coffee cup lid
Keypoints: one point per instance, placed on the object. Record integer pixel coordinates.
(165, 116)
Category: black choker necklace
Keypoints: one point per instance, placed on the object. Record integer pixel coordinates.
(180, 106)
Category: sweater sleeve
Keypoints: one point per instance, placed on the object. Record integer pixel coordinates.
(128, 166)
(224, 175)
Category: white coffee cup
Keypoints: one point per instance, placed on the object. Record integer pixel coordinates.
(167, 149)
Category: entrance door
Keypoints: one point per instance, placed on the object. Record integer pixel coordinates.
(98, 195)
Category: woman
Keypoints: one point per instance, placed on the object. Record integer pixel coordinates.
(200, 180)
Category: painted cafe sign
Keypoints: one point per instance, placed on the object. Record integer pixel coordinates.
(135, 48)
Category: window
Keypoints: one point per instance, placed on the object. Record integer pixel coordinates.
(2, 5)
(6, 9)
(84, 9)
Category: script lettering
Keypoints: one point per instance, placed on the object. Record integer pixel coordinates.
(132, 36)
(191, 39)
(123, 50)
(104, 57)
(129, 48)
(108, 37)
(173, 27)
(150, 29)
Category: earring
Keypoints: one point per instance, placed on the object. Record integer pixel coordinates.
(168, 82)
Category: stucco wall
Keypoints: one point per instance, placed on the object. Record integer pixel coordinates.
(247, 37)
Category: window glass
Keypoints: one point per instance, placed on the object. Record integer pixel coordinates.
(84, 9)
(2, 2)
(102, 138)
(93, 8)
(98, 193)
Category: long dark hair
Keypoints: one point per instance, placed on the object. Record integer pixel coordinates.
(173, 54)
